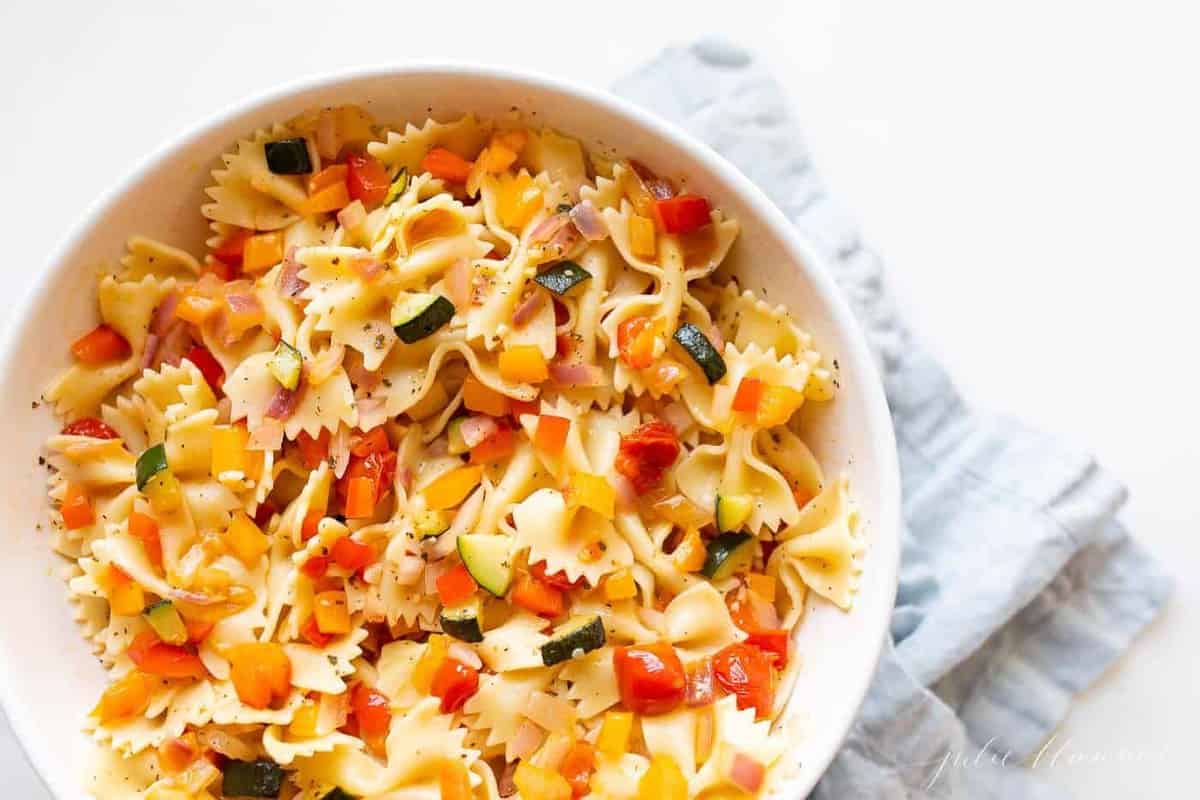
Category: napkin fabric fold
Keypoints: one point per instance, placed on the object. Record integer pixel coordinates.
(1018, 584)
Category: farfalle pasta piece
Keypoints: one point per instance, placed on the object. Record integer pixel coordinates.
(145, 256)
(465, 136)
(697, 622)
(515, 645)
(497, 709)
(248, 194)
(592, 682)
(822, 546)
(550, 534)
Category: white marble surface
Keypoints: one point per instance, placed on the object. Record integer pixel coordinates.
(1029, 169)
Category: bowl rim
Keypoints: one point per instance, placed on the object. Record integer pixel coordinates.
(810, 260)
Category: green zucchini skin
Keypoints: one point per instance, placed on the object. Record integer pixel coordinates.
(338, 793)
(288, 157)
(151, 462)
(463, 622)
(166, 622)
(425, 322)
(562, 277)
(726, 554)
(488, 557)
(260, 778)
(576, 635)
(697, 345)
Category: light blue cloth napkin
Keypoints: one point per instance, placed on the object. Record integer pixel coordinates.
(1018, 586)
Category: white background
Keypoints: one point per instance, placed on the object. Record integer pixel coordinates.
(1028, 169)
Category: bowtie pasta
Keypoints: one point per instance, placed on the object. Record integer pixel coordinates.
(448, 470)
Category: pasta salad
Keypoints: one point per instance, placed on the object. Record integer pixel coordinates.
(451, 470)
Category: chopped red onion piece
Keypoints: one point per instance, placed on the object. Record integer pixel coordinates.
(339, 450)
(149, 351)
(583, 375)
(714, 336)
(352, 215)
(477, 428)
(626, 494)
(290, 282)
(528, 308)
(368, 268)
(547, 228)
(589, 222)
(677, 416)
(164, 315)
(241, 303)
(463, 653)
(283, 404)
(267, 436)
(700, 686)
(458, 283)
(747, 773)
(525, 741)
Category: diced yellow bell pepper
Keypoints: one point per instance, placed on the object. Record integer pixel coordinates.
(164, 492)
(304, 721)
(519, 199)
(229, 449)
(777, 405)
(615, 731)
(262, 251)
(538, 783)
(594, 492)
(127, 599)
(523, 363)
(620, 586)
(690, 554)
(452, 488)
(496, 158)
(663, 781)
(245, 540)
(642, 236)
(762, 585)
(427, 665)
(332, 613)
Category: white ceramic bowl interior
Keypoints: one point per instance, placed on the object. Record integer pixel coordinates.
(48, 677)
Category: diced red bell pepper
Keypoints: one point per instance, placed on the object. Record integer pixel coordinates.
(447, 165)
(155, 657)
(372, 712)
(497, 447)
(90, 426)
(367, 179)
(551, 434)
(315, 567)
(210, 368)
(360, 498)
(651, 678)
(144, 528)
(101, 345)
(541, 598)
(373, 441)
(456, 586)
(558, 580)
(312, 633)
(230, 250)
(313, 451)
(454, 682)
(646, 453)
(744, 671)
(683, 213)
(352, 555)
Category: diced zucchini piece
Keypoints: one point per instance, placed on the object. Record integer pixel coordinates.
(262, 778)
(733, 510)
(431, 523)
(488, 557)
(701, 350)
(399, 184)
(286, 364)
(338, 793)
(150, 463)
(455, 444)
(417, 315)
(573, 638)
(164, 618)
(728, 554)
(562, 277)
(288, 157)
(463, 622)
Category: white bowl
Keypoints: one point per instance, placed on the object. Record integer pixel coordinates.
(48, 677)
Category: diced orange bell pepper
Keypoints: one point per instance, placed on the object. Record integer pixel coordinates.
(144, 528)
(690, 554)
(523, 363)
(352, 555)
(262, 251)
(635, 341)
(330, 176)
(229, 251)
(551, 434)
(313, 451)
(360, 498)
(312, 520)
(373, 441)
(519, 199)
(454, 782)
(497, 447)
(332, 612)
(518, 408)
(496, 158)
(127, 697)
(642, 237)
(447, 165)
(777, 405)
(100, 345)
(477, 397)
(536, 596)
(762, 585)
(456, 586)
(245, 539)
(429, 662)
(452, 488)
(577, 766)
(749, 392)
(333, 197)
(76, 508)
(261, 672)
